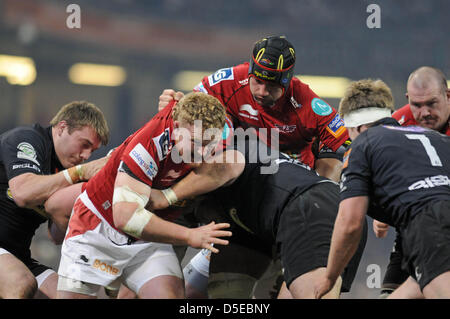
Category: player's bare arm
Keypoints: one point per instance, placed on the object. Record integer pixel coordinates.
(131, 217)
(329, 167)
(30, 190)
(344, 242)
(59, 205)
(203, 179)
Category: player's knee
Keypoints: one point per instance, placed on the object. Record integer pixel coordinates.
(24, 287)
(162, 287)
(230, 285)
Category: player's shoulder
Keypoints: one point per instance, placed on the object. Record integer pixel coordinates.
(296, 83)
(389, 133)
(303, 96)
(404, 116)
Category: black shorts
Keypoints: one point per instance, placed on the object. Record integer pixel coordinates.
(395, 275)
(305, 230)
(426, 243)
(246, 252)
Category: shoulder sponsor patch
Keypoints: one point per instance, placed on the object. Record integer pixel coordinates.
(162, 143)
(144, 160)
(336, 127)
(27, 151)
(320, 107)
(221, 75)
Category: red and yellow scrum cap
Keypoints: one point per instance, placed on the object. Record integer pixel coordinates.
(273, 59)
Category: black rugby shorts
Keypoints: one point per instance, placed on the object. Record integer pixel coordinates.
(305, 230)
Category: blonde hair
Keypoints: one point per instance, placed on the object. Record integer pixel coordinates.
(200, 106)
(366, 93)
(78, 114)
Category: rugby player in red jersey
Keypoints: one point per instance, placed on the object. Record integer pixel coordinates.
(265, 95)
(112, 237)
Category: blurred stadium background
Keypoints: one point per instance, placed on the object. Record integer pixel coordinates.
(152, 45)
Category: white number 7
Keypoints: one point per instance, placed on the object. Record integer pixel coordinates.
(431, 151)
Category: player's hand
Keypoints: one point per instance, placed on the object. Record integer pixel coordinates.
(157, 200)
(380, 229)
(91, 168)
(322, 287)
(204, 236)
(168, 96)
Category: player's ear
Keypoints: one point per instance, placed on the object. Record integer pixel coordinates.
(61, 126)
(407, 96)
(176, 124)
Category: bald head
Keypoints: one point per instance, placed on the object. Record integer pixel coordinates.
(429, 98)
(425, 77)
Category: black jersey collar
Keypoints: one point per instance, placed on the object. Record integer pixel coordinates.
(386, 121)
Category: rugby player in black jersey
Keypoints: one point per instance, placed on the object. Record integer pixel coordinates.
(274, 201)
(405, 172)
(428, 106)
(34, 163)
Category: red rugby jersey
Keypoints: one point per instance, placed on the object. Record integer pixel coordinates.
(299, 116)
(147, 154)
(405, 117)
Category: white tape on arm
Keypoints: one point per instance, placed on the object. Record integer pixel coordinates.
(126, 194)
(170, 195)
(135, 225)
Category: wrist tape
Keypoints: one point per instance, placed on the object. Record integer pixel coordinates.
(73, 174)
(170, 195)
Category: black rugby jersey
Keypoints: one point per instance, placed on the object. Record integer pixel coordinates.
(23, 150)
(269, 181)
(401, 169)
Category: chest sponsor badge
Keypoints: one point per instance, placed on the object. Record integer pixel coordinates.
(336, 127)
(285, 128)
(247, 111)
(320, 107)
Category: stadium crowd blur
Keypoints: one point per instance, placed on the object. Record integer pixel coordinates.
(154, 40)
